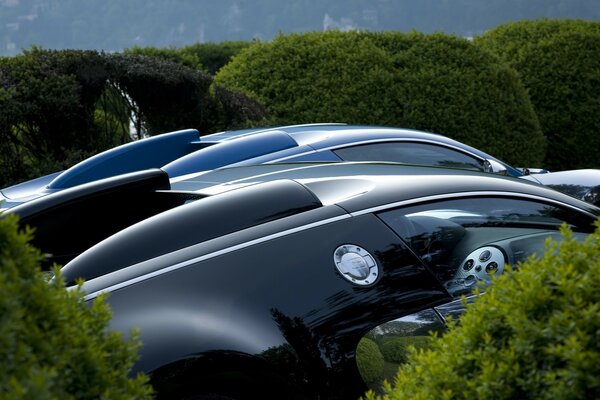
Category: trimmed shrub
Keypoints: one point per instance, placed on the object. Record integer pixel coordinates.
(52, 344)
(396, 349)
(209, 57)
(533, 335)
(47, 111)
(435, 83)
(59, 107)
(51, 100)
(369, 360)
(559, 63)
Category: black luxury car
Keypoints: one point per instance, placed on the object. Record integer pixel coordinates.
(264, 286)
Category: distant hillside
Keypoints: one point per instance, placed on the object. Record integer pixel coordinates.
(113, 25)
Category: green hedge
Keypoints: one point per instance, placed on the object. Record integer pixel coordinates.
(369, 360)
(52, 344)
(436, 83)
(559, 63)
(209, 57)
(396, 349)
(532, 335)
(58, 107)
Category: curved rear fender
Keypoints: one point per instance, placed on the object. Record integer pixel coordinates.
(226, 373)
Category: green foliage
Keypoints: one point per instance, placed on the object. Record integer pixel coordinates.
(172, 54)
(436, 83)
(213, 56)
(53, 345)
(50, 98)
(47, 111)
(209, 57)
(532, 335)
(167, 96)
(369, 360)
(559, 63)
(59, 107)
(396, 349)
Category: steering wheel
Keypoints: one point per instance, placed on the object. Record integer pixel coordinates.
(480, 265)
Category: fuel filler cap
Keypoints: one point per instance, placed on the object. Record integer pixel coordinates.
(356, 264)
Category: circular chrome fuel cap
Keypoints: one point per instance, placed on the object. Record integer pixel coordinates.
(356, 264)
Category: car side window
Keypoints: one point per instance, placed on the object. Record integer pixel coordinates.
(467, 241)
(464, 242)
(385, 348)
(411, 153)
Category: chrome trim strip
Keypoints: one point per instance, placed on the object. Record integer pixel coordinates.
(371, 141)
(205, 257)
(468, 194)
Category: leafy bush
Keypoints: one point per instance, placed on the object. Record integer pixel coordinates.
(209, 57)
(58, 107)
(53, 345)
(559, 63)
(396, 349)
(532, 335)
(370, 360)
(49, 101)
(436, 83)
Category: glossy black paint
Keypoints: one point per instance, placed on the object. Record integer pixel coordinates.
(282, 299)
(193, 223)
(238, 294)
(70, 221)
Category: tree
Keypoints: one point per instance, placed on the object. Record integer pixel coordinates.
(533, 335)
(209, 57)
(59, 107)
(371, 365)
(165, 96)
(47, 109)
(436, 83)
(559, 63)
(52, 344)
(53, 96)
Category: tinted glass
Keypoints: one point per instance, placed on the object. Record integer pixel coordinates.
(385, 348)
(470, 240)
(411, 153)
(391, 341)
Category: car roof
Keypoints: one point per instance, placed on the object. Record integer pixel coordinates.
(281, 143)
(362, 185)
(325, 135)
(184, 152)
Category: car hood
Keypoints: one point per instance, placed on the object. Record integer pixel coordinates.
(583, 184)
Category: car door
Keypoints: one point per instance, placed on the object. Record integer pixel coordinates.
(464, 242)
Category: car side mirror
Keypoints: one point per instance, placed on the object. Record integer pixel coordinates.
(530, 171)
(494, 167)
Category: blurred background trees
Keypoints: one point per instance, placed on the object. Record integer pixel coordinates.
(526, 92)
(59, 107)
(437, 83)
(558, 61)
